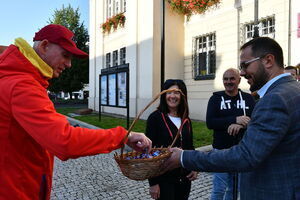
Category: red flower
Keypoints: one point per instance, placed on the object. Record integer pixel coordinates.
(189, 7)
(113, 22)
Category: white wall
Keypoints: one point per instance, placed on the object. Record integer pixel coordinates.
(295, 44)
(227, 22)
(137, 37)
(141, 37)
(95, 52)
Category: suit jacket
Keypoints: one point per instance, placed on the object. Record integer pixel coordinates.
(269, 154)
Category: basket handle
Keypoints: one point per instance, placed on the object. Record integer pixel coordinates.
(142, 111)
(179, 132)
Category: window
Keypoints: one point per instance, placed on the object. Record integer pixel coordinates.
(114, 7)
(107, 60)
(249, 30)
(109, 9)
(115, 58)
(204, 57)
(122, 56)
(124, 6)
(117, 7)
(266, 27)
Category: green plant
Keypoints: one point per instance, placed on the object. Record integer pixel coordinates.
(72, 79)
(113, 22)
(189, 7)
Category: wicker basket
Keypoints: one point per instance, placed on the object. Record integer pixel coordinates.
(141, 169)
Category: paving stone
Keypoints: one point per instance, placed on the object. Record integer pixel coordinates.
(98, 177)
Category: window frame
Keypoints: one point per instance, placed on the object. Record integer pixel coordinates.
(114, 7)
(266, 28)
(122, 55)
(109, 9)
(115, 61)
(123, 7)
(108, 60)
(204, 48)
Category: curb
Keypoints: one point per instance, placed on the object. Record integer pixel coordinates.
(75, 122)
(205, 148)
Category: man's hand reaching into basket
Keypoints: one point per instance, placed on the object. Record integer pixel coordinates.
(139, 142)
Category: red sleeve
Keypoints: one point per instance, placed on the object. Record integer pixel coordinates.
(34, 111)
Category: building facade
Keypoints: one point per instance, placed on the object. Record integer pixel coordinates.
(197, 50)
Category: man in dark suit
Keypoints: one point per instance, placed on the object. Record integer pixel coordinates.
(268, 155)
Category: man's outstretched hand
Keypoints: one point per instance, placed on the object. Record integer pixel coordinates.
(174, 160)
(139, 142)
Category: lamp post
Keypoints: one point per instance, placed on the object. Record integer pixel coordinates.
(256, 30)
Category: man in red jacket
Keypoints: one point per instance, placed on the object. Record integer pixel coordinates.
(31, 131)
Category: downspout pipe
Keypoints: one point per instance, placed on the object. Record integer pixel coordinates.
(238, 7)
(162, 51)
(289, 33)
(256, 31)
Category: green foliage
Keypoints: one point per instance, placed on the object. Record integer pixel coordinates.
(74, 78)
(202, 135)
(110, 122)
(65, 111)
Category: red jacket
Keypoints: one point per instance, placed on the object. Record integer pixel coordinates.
(32, 132)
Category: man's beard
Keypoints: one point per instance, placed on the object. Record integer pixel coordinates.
(260, 78)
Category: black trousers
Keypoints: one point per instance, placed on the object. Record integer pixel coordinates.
(175, 191)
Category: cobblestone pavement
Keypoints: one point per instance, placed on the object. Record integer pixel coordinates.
(98, 177)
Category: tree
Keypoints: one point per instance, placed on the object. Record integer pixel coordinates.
(74, 78)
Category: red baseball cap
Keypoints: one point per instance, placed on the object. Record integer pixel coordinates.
(61, 36)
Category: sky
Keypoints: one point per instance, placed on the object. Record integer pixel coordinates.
(22, 18)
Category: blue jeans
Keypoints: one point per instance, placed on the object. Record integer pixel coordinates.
(222, 186)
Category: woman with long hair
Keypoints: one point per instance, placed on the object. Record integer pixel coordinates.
(162, 127)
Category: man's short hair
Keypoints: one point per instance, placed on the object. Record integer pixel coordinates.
(232, 69)
(262, 46)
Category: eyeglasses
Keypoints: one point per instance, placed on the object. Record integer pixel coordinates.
(243, 66)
